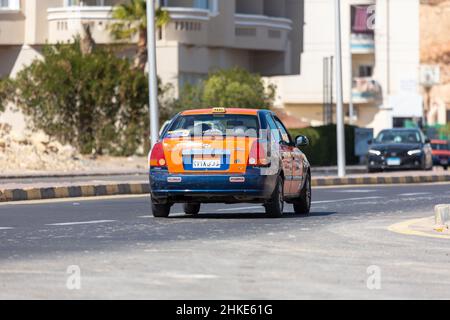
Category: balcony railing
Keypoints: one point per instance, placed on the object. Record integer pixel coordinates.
(261, 32)
(362, 43)
(66, 22)
(186, 25)
(366, 90)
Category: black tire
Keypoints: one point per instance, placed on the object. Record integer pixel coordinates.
(191, 208)
(303, 204)
(274, 207)
(160, 210)
(445, 167)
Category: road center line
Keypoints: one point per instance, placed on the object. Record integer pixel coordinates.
(355, 191)
(348, 199)
(6, 228)
(414, 194)
(78, 223)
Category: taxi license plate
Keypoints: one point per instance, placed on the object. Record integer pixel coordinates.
(444, 161)
(206, 164)
(393, 161)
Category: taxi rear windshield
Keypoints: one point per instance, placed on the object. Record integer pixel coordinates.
(225, 125)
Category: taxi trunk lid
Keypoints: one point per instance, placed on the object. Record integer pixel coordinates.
(207, 155)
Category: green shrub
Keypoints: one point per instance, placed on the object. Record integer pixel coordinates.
(231, 88)
(97, 102)
(322, 150)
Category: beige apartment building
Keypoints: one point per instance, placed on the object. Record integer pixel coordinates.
(380, 41)
(284, 40)
(259, 35)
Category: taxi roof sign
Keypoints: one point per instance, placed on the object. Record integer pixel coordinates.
(219, 110)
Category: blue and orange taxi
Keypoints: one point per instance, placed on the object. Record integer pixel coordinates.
(228, 155)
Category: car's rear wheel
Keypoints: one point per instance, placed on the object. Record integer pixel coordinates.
(160, 210)
(303, 204)
(191, 208)
(274, 207)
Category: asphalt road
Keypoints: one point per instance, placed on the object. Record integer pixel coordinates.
(228, 251)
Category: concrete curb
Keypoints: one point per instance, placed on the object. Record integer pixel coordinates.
(319, 182)
(315, 170)
(74, 192)
(144, 188)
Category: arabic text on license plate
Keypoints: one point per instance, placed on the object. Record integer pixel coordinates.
(206, 164)
(393, 161)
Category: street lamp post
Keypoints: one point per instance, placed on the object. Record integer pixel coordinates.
(339, 99)
(153, 82)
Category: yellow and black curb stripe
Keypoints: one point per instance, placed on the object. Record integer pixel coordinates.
(144, 188)
(73, 192)
(319, 182)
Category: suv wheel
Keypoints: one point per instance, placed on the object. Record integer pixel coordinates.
(274, 207)
(191, 208)
(303, 204)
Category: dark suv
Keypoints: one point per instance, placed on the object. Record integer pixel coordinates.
(400, 149)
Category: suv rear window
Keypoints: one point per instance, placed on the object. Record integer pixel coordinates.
(231, 125)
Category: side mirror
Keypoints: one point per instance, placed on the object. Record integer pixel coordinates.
(301, 141)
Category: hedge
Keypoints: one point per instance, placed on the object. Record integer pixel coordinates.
(322, 150)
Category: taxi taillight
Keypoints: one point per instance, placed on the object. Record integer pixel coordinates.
(157, 158)
(258, 155)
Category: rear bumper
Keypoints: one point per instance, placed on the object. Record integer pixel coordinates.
(213, 188)
(408, 162)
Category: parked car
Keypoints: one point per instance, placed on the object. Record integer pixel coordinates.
(228, 156)
(400, 149)
(441, 153)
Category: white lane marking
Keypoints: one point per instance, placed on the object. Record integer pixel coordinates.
(356, 191)
(81, 222)
(241, 208)
(349, 199)
(194, 276)
(84, 199)
(414, 194)
(6, 228)
(171, 214)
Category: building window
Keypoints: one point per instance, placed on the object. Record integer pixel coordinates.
(201, 4)
(211, 5)
(9, 4)
(362, 19)
(70, 3)
(191, 78)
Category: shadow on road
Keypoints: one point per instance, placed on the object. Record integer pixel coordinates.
(256, 215)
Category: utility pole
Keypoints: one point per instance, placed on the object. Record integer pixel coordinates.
(153, 82)
(350, 98)
(339, 99)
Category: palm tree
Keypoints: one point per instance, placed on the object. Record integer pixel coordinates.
(131, 21)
